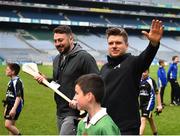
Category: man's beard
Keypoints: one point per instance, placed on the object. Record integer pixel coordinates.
(65, 51)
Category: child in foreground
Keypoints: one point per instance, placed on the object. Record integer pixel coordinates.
(89, 92)
(14, 98)
(148, 91)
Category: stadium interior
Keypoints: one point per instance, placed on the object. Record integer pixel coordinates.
(26, 26)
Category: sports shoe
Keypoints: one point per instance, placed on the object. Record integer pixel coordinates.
(175, 103)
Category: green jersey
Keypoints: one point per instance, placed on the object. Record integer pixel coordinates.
(100, 124)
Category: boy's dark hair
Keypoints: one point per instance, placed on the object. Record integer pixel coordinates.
(92, 83)
(147, 70)
(174, 57)
(15, 67)
(117, 31)
(63, 29)
(161, 61)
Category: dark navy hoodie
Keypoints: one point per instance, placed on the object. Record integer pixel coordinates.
(122, 77)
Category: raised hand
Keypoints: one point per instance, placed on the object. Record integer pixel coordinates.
(155, 33)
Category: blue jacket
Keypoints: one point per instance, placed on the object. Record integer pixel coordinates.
(172, 72)
(162, 80)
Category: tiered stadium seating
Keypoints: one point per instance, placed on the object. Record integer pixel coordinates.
(8, 13)
(42, 15)
(24, 55)
(171, 43)
(42, 44)
(11, 41)
(86, 18)
(13, 49)
(122, 21)
(95, 42)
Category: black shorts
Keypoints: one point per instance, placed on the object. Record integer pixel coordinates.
(146, 113)
(8, 109)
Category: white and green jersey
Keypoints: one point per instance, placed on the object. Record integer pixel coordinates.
(100, 124)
